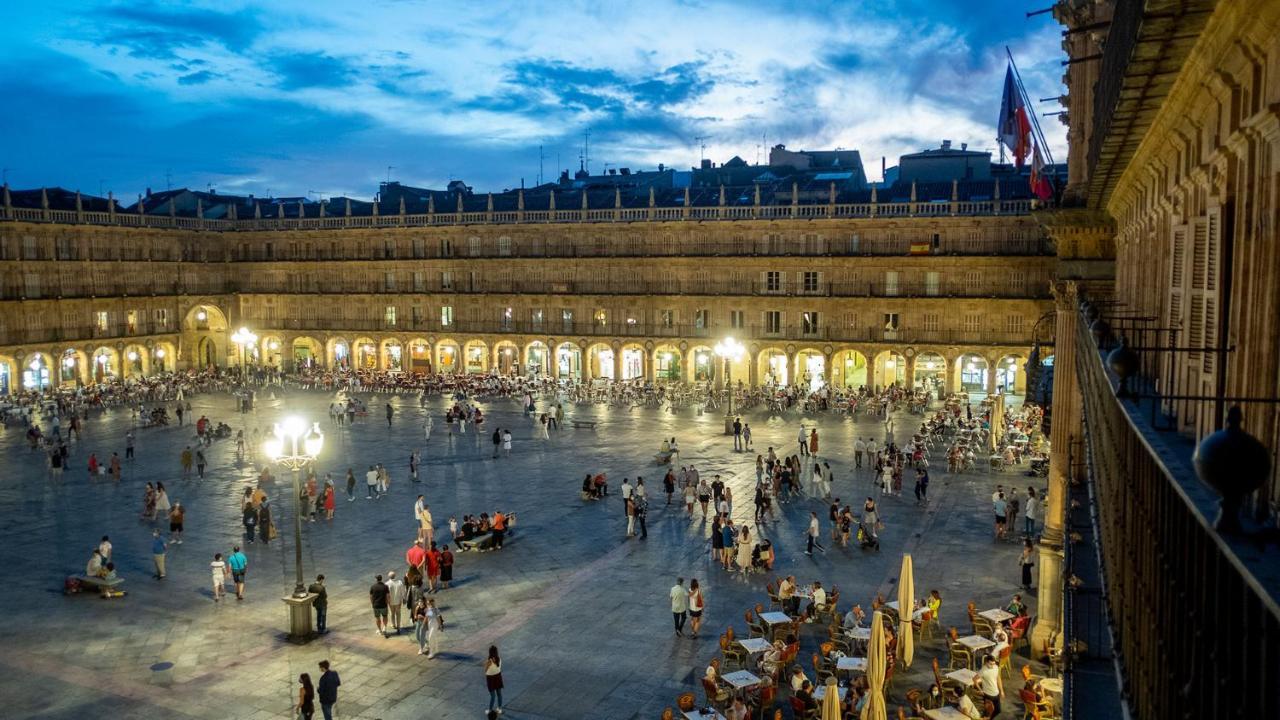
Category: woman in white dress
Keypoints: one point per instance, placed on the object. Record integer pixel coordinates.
(744, 550)
(218, 571)
(435, 628)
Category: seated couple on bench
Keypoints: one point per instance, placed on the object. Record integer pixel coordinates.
(595, 487)
(97, 574)
(482, 533)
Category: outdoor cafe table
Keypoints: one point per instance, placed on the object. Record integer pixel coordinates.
(996, 615)
(963, 676)
(698, 714)
(852, 664)
(976, 643)
(915, 615)
(1053, 686)
(754, 645)
(946, 712)
(776, 618)
(821, 692)
(860, 634)
(740, 680)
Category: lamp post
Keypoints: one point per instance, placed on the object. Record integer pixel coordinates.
(293, 445)
(243, 338)
(729, 351)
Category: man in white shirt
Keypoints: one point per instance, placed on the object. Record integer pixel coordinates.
(989, 681)
(859, 448)
(812, 535)
(627, 490)
(679, 605)
(819, 599)
(371, 482)
(395, 598)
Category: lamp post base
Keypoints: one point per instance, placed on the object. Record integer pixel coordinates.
(728, 424)
(300, 627)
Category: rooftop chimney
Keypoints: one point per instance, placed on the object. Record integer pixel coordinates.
(706, 164)
(661, 167)
(946, 144)
(964, 146)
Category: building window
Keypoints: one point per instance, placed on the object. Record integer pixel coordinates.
(891, 283)
(601, 317)
(535, 317)
(809, 281)
(388, 249)
(930, 322)
(504, 245)
(972, 283)
(1013, 324)
(473, 246)
(389, 282)
(160, 316)
(131, 321)
(419, 248)
(931, 283)
(417, 315)
(419, 282)
(737, 319)
(446, 279)
(701, 319)
(772, 321)
(891, 322)
(390, 315)
(506, 315)
(102, 320)
(809, 323)
(773, 281)
(668, 318)
(972, 322)
(270, 250)
(566, 319)
(446, 315)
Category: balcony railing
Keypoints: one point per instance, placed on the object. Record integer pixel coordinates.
(570, 330)
(51, 289)
(54, 333)
(1193, 613)
(653, 214)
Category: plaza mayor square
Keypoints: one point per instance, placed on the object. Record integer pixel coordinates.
(911, 360)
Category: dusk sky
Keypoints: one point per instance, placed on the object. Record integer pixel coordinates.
(289, 97)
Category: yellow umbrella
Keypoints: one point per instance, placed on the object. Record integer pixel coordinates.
(906, 609)
(831, 701)
(874, 709)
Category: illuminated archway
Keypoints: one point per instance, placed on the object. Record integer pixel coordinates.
(890, 369)
(811, 369)
(419, 356)
(35, 372)
(702, 364)
(448, 357)
(569, 361)
(272, 351)
(931, 372)
(205, 329)
(1011, 374)
(537, 359)
(666, 363)
(633, 357)
(6, 374)
(971, 371)
(506, 357)
(163, 357)
(392, 355)
(600, 357)
(849, 369)
(105, 364)
(476, 354)
(137, 361)
(306, 353)
(72, 367)
(773, 370)
(339, 353)
(365, 352)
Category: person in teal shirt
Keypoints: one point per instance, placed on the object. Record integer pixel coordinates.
(238, 564)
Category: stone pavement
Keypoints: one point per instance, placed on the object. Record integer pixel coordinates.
(579, 612)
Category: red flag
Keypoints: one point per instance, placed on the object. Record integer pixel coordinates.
(1041, 187)
(1014, 127)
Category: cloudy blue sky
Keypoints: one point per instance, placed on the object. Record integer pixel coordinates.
(290, 97)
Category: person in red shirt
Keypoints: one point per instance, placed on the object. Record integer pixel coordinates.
(499, 528)
(433, 569)
(416, 556)
(446, 567)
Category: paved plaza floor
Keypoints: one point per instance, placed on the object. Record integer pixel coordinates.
(581, 613)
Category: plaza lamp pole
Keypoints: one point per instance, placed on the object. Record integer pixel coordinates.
(729, 351)
(294, 446)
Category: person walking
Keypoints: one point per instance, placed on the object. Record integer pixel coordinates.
(746, 436)
(497, 441)
(493, 679)
(158, 550)
(200, 463)
(679, 605)
(506, 442)
(642, 513)
(328, 689)
(812, 535)
(737, 434)
(329, 501)
(1027, 560)
(186, 459)
(813, 442)
(265, 529)
(237, 563)
(419, 618)
(1029, 512)
(390, 412)
(306, 706)
(370, 482)
(321, 603)
(129, 441)
(162, 501)
(803, 440)
(395, 598)
(922, 486)
(435, 631)
(351, 485)
(697, 603)
(378, 596)
(218, 573)
(176, 517)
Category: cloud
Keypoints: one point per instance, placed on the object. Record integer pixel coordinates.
(197, 78)
(310, 70)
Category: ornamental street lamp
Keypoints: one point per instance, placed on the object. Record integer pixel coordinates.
(729, 351)
(243, 338)
(294, 446)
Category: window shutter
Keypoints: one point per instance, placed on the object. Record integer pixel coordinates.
(1213, 232)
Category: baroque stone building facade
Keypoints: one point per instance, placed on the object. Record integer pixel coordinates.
(867, 294)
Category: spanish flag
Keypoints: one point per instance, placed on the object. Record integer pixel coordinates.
(919, 247)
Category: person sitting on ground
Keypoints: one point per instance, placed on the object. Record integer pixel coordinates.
(95, 566)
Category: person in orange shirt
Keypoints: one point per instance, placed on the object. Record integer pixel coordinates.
(499, 528)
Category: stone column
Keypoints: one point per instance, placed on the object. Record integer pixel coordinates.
(827, 368)
(991, 376)
(909, 372)
(1064, 432)
(949, 375)
(617, 364)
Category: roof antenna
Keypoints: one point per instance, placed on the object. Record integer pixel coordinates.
(389, 169)
(702, 140)
(541, 158)
(167, 184)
